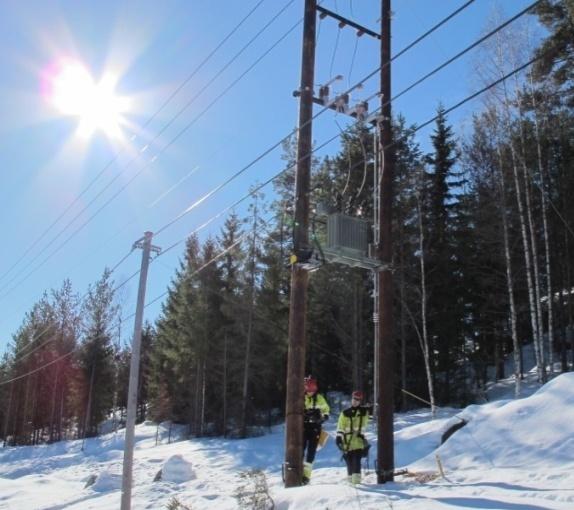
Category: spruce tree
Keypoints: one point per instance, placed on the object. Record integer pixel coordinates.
(94, 385)
(444, 272)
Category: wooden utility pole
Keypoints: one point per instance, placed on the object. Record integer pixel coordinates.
(293, 467)
(385, 351)
(145, 244)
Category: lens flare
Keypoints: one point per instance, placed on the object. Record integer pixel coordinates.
(73, 91)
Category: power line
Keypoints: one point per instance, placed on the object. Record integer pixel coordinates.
(217, 188)
(116, 156)
(416, 41)
(276, 145)
(418, 82)
(418, 128)
(208, 263)
(139, 172)
(469, 48)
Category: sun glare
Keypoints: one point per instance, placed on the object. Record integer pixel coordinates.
(74, 92)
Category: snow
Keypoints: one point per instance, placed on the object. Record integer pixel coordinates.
(177, 470)
(512, 454)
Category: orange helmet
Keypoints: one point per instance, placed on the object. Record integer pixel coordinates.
(310, 384)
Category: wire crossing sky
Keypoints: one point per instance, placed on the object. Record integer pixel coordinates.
(117, 116)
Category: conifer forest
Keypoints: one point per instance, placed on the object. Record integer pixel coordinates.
(483, 265)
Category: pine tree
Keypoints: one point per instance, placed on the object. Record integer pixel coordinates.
(94, 385)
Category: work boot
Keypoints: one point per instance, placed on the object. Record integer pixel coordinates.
(307, 469)
(356, 478)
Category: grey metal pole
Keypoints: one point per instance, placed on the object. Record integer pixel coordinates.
(145, 244)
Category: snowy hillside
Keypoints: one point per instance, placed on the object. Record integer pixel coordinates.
(515, 455)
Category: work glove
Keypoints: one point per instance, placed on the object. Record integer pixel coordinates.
(339, 442)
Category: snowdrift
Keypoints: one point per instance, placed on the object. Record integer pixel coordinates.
(530, 433)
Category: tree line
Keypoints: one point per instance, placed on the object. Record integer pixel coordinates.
(483, 265)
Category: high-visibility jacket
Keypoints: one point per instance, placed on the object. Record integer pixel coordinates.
(316, 408)
(351, 426)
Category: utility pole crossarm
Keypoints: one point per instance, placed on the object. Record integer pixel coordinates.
(345, 21)
(140, 244)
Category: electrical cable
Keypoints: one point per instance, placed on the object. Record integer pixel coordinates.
(469, 48)
(206, 264)
(180, 133)
(148, 121)
(353, 61)
(335, 47)
(416, 41)
(348, 161)
(366, 163)
(421, 126)
(280, 142)
(420, 38)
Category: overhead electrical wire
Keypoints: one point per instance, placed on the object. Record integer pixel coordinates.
(420, 38)
(216, 189)
(417, 128)
(404, 50)
(118, 192)
(148, 121)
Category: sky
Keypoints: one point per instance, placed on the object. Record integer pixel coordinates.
(511, 455)
(73, 202)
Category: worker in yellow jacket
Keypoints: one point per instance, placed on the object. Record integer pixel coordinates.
(350, 435)
(316, 412)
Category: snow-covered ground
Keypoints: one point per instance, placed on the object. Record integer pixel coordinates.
(512, 454)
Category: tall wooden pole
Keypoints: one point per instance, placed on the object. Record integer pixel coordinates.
(386, 362)
(299, 276)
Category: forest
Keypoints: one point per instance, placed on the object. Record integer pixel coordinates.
(483, 242)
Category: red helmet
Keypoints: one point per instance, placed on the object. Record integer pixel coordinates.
(310, 384)
(357, 395)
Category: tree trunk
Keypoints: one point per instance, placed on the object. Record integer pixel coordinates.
(224, 394)
(509, 277)
(425, 342)
(501, 59)
(88, 418)
(545, 231)
(533, 247)
(528, 261)
(248, 340)
(7, 417)
(54, 404)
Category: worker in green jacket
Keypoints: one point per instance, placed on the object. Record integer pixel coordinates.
(350, 439)
(316, 412)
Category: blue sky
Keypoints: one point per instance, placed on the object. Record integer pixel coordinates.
(153, 47)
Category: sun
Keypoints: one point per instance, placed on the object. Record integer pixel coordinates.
(73, 91)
